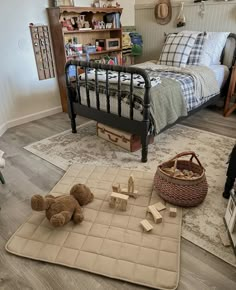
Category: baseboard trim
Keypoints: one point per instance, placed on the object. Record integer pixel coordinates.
(29, 118)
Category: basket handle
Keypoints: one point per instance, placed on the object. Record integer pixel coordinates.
(175, 165)
(193, 155)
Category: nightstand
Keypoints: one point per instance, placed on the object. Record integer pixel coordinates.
(231, 93)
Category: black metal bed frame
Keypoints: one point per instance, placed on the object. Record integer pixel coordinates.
(140, 128)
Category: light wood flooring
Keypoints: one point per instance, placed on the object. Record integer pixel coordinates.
(27, 174)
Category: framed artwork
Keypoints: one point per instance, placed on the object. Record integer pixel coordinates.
(42, 51)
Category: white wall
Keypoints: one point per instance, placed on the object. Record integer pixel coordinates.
(22, 96)
(156, 1)
(145, 1)
(219, 16)
(127, 18)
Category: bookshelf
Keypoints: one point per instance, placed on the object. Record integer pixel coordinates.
(75, 32)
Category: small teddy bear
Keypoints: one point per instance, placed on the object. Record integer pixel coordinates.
(82, 194)
(61, 209)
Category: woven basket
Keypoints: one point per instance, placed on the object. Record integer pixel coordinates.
(177, 191)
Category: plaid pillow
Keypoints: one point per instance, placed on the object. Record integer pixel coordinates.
(176, 49)
(195, 54)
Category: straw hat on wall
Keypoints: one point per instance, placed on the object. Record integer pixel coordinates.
(163, 12)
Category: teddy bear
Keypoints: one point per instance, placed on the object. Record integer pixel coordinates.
(61, 209)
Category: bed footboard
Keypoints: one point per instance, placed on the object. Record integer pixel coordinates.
(82, 102)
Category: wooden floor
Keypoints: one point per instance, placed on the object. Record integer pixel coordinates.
(27, 174)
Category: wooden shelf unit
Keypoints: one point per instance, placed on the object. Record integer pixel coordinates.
(95, 53)
(59, 37)
(92, 30)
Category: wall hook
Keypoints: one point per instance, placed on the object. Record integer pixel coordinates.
(202, 9)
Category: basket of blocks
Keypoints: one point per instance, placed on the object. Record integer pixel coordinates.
(182, 182)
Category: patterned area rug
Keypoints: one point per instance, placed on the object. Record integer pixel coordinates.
(202, 224)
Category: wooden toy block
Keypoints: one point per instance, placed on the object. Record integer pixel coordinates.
(156, 215)
(116, 188)
(118, 197)
(112, 202)
(130, 190)
(131, 184)
(123, 205)
(133, 194)
(173, 211)
(225, 239)
(159, 206)
(146, 225)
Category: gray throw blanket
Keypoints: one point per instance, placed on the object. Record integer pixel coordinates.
(167, 104)
(205, 82)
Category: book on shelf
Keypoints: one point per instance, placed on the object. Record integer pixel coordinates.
(113, 18)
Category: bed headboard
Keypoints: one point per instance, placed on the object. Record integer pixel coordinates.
(229, 52)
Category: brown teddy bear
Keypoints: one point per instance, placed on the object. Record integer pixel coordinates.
(60, 210)
(82, 193)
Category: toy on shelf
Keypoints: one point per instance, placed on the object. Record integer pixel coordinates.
(101, 25)
(75, 23)
(66, 23)
(146, 225)
(109, 25)
(173, 211)
(95, 4)
(119, 198)
(81, 20)
(109, 5)
(156, 215)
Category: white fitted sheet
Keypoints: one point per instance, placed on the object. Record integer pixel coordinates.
(221, 73)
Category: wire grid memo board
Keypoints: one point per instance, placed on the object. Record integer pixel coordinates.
(42, 51)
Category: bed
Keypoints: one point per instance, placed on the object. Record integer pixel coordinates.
(144, 99)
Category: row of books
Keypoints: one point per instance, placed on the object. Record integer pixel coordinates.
(113, 18)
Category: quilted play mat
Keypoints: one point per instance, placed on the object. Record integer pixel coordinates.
(109, 242)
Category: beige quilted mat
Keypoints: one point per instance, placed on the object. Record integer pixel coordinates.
(108, 242)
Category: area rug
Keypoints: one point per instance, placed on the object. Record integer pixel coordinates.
(109, 241)
(202, 224)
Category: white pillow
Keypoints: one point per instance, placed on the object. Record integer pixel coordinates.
(213, 47)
